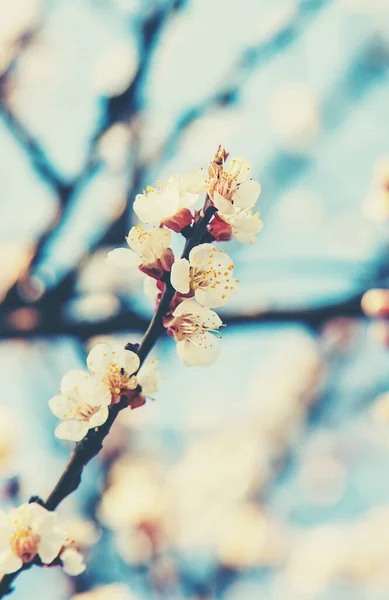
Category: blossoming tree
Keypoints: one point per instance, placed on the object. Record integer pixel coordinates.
(186, 290)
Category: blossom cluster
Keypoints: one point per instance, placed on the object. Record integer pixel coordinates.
(195, 284)
(85, 396)
(30, 533)
(203, 280)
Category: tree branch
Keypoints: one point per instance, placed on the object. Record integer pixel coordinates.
(91, 445)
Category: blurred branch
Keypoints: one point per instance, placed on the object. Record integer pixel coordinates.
(128, 105)
(119, 108)
(251, 58)
(54, 324)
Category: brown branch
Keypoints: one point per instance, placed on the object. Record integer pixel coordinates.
(90, 446)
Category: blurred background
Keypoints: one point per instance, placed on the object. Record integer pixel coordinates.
(265, 476)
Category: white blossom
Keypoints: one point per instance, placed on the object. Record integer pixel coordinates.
(232, 187)
(157, 205)
(244, 225)
(150, 246)
(192, 326)
(72, 561)
(207, 274)
(114, 366)
(82, 403)
(26, 532)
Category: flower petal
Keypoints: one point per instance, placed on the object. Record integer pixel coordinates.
(200, 256)
(99, 417)
(208, 318)
(213, 298)
(148, 378)
(99, 358)
(122, 258)
(160, 240)
(72, 430)
(194, 183)
(239, 168)
(9, 562)
(72, 382)
(72, 561)
(179, 276)
(247, 194)
(223, 205)
(144, 206)
(203, 350)
(61, 408)
(50, 544)
(155, 206)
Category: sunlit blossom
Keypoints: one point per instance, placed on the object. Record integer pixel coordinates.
(114, 367)
(231, 187)
(242, 225)
(27, 532)
(72, 561)
(192, 326)
(82, 404)
(208, 274)
(169, 202)
(149, 249)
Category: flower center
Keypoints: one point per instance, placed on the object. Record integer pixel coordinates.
(187, 325)
(24, 543)
(118, 380)
(226, 185)
(212, 278)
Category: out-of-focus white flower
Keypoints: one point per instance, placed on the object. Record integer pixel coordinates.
(72, 561)
(380, 409)
(83, 404)
(136, 495)
(207, 274)
(114, 146)
(115, 591)
(115, 69)
(295, 114)
(152, 248)
(84, 533)
(250, 538)
(150, 288)
(169, 203)
(9, 437)
(231, 188)
(136, 507)
(28, 531)
(114, 367)
(242, 225)
(191, 327)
